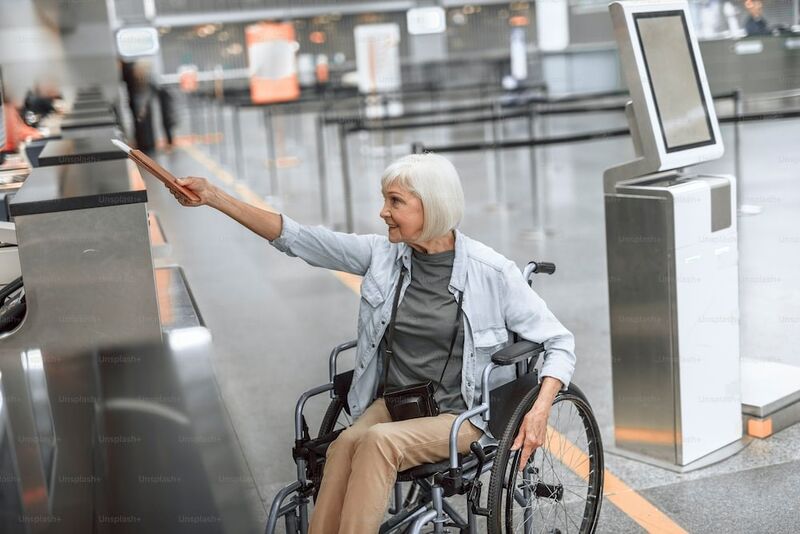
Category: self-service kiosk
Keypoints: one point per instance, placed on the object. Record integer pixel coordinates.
(671, 240)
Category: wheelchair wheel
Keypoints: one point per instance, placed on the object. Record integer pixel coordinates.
(335, 418)
(560, 490)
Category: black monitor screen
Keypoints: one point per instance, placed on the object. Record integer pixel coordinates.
(674, 80)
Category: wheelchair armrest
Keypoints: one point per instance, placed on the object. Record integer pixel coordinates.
(334, 357)
(519, 351)
(460, 420)
(301, 404)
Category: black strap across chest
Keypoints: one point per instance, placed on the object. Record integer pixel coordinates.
(390, 334)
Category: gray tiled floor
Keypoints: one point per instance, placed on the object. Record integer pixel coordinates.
(274, 319)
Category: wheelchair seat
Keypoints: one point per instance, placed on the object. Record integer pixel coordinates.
(467, 461)
(319, 447)
(426, 470)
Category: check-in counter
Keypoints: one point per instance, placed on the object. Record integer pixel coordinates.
(85, 256)
(127, 439)
(763, 64)
(34, 147)
(91, 107)
(12, 174)
(78, 150)
(87, 122)
(94, 118)
(88, 423)
(84, 104)
(91, 113)
(89, 94)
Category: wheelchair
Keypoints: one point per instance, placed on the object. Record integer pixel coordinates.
(560, 490)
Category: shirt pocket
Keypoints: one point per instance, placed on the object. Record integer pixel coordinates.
(371, 291)
(488, 341)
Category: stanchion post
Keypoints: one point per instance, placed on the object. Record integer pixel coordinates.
(737, 158)
(215, 121)
(348, 197)
(221, 129)
(497, 137)
(201, 109)
(322, 168)
(190, 106)
(272, 160)
(207, 124)
(536, 190)
(241, 164)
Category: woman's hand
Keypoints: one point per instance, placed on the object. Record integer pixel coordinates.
(199, 186)
(531, 434)
(533, 430)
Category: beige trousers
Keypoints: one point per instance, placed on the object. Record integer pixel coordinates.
(361, 466)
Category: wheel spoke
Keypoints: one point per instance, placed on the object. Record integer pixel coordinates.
(560, 476)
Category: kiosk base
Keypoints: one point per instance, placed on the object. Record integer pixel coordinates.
(770, 396)
(712, 458)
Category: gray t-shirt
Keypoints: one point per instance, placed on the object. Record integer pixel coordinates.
(426, 319)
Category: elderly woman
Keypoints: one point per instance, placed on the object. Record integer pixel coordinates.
(456, 303)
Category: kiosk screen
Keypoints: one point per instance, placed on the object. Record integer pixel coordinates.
(674, 80)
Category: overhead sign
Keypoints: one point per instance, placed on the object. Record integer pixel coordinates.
(271, 49)
(425, 20)
(378, 57)
(137, 42)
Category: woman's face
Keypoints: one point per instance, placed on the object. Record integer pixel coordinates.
(403, 213)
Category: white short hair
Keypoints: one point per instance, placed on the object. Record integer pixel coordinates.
(435, 181)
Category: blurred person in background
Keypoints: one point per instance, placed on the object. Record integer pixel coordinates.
(141, 97)
(166, 103)
(41, 100)
(755, 24)
(142, 91)
(16, 129)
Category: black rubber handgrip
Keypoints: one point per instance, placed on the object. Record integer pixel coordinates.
(543, 267)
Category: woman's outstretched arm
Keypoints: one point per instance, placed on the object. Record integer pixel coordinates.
(316, 245)
(265, 223)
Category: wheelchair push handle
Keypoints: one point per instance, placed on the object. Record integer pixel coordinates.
(543, 267)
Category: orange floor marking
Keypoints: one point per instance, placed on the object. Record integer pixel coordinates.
(615, 490)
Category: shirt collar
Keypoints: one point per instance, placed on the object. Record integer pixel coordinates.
(459, 275)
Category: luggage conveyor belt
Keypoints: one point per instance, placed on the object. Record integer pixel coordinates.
(176, 304)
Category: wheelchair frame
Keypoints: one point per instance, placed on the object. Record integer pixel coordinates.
(458, 477)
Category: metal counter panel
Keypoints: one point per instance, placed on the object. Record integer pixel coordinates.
(79, 150)
(77, 186)
(641, 273)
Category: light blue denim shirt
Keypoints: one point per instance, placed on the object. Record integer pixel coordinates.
(496, 300)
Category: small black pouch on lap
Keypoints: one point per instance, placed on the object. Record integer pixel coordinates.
(411, 402)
